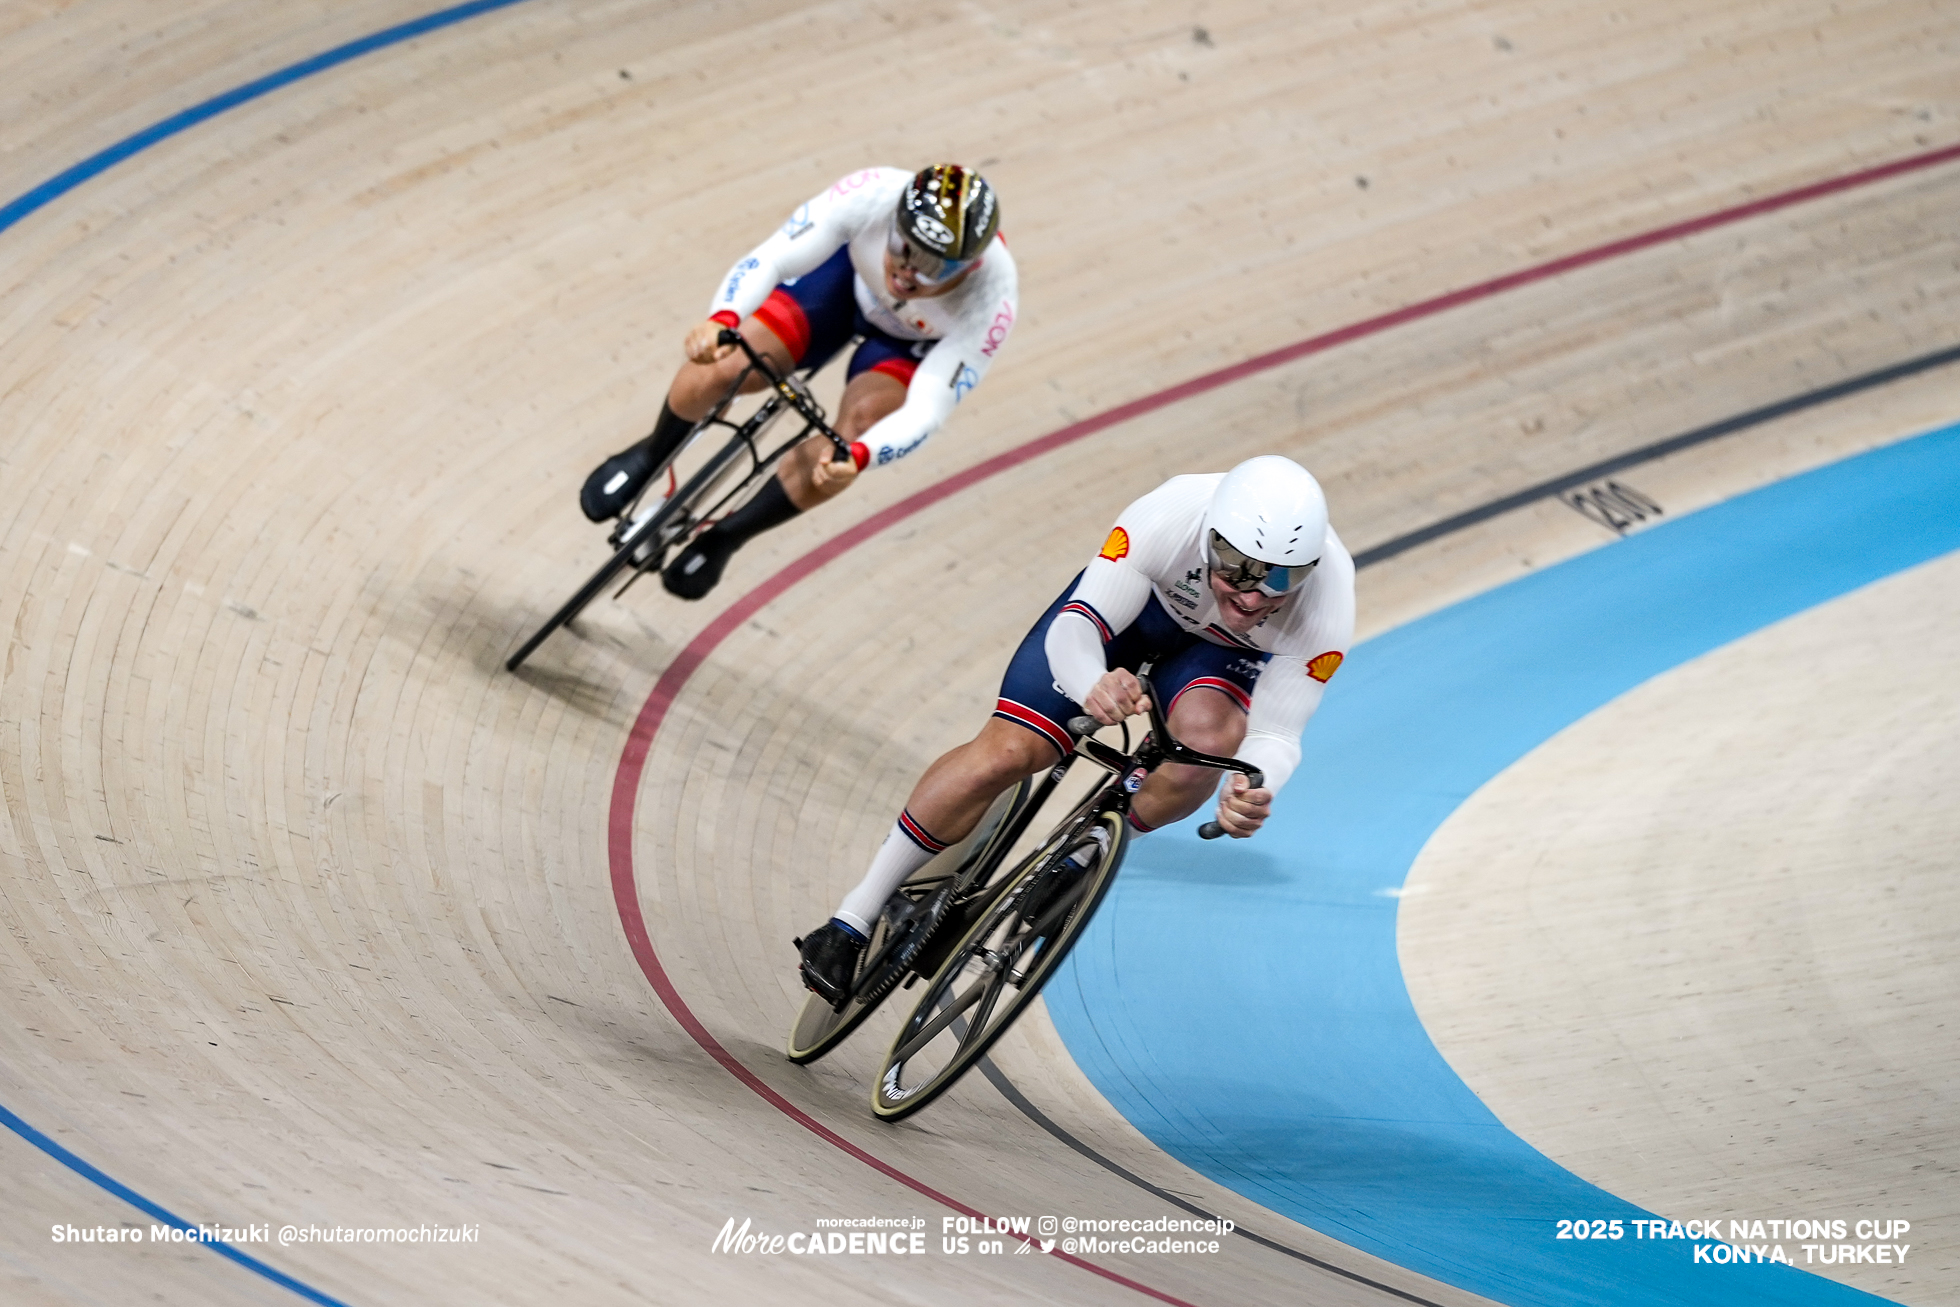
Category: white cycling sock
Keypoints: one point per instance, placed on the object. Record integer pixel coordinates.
(904, 851)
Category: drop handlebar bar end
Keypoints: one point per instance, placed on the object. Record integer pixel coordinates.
(1211, 830)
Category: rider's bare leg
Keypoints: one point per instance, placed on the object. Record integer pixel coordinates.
(794, 489)
(946, 804)
(867, 397)
(953, 795)
(1209, 721)
(698, 387)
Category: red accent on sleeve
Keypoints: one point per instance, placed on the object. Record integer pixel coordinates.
(859, 454)
(726, 317)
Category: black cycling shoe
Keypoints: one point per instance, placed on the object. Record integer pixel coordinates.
(830, 954)
(697, 568)
(615, 482)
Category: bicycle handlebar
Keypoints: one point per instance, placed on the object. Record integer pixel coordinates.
(730, 336)
(1174, 751)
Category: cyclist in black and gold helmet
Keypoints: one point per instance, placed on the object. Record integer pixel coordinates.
(913, 265)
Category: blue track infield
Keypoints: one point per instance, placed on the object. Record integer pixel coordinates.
(1243, 1005)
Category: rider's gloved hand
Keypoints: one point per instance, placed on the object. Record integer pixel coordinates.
(833, 476)
(703, 342)
(1242, 809)
(1117, 697)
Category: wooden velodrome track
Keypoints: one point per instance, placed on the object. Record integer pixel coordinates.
(314, 914)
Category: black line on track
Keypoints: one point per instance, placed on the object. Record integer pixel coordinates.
(1421, 536)
(999, 1080)
(1647, 453)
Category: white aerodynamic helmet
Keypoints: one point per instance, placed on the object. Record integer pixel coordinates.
(1266, 525)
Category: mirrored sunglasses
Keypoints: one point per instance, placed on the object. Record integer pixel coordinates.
(1243, 572)
(925, 265)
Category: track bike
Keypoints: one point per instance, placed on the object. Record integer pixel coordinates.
(984, 935)
(646, 533)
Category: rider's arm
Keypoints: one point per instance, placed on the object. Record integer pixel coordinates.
(941, 381)
(952, 367)
(1116, 585)
(1282, 702)
(1291, 685)
(813, 233)
(1106, 600)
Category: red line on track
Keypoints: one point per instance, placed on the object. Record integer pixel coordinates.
(639, 742)
(627, 896)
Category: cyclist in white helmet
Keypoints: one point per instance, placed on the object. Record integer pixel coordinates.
(1238, 593)
(910, 264)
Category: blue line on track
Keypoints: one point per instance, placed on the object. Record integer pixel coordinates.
(46, 193)
(164, 1216)
(62, 183)
(1244, 1006)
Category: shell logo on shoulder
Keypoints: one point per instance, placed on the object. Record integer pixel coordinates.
(1323, 666)
(1117, 546)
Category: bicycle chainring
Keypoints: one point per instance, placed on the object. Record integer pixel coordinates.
(912, 924)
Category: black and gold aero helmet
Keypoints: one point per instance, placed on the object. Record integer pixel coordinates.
(945, 219)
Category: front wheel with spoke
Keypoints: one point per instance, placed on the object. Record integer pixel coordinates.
(643, 539)
(999, 966)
